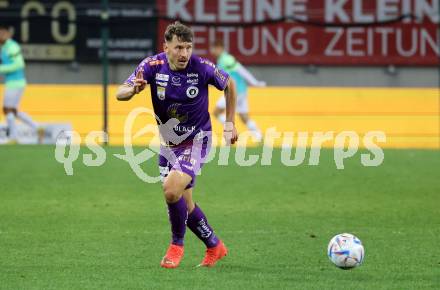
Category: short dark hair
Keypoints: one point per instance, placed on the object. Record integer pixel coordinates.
(5, 26)
(183, 32)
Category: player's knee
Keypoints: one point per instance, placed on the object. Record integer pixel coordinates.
(171, 192)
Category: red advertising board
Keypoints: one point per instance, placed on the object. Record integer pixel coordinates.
(399, 32)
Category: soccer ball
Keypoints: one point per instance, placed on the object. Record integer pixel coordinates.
(346, 251)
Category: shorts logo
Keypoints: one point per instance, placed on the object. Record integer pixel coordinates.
(192, 92)
(161, 93)
(162, 77)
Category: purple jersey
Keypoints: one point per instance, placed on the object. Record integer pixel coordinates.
(181, 94)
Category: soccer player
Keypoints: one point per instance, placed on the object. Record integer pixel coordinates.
(12, 67)
(241, 78)
(179, 89)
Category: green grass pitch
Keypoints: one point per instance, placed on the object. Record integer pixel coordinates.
(103, 228)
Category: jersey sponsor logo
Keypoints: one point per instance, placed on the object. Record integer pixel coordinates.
(162, 84)
(192, 92)
(161, 93)
(175, 81)
(184, 129)
(192, 75)
(162, 77)
(192, 81)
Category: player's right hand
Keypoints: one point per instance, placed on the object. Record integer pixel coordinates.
(139, 82)
(230, 133)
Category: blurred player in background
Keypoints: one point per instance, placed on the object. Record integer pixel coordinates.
(12, 67)
(179, 89)
(242, 77)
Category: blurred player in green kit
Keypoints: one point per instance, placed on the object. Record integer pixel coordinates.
(242, 78)
(12, 68)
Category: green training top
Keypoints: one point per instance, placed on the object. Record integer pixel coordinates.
(229, 64)
(12, 64)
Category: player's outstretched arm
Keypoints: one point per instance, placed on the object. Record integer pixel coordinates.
(242, 71)
(230, 132)
(125, 92)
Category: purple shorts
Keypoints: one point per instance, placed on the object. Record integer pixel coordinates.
(188, 158)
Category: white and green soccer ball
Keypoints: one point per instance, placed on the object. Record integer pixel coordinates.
(346, 251)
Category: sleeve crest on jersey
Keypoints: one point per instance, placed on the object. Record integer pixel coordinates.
(219, 75)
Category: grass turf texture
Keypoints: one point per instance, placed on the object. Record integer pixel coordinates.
(102, 228)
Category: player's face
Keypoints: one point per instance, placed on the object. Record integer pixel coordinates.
(178, 53)
(216, 51)
(4, 35)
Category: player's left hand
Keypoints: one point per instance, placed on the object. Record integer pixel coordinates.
(230, 133)
(139, 82)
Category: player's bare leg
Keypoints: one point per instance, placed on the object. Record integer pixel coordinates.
(251, 125)
(173, 188)
(26, 119)
(198, 224)
(10, 114)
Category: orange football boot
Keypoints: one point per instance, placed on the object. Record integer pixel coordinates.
(173, 257)
(213, 255)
